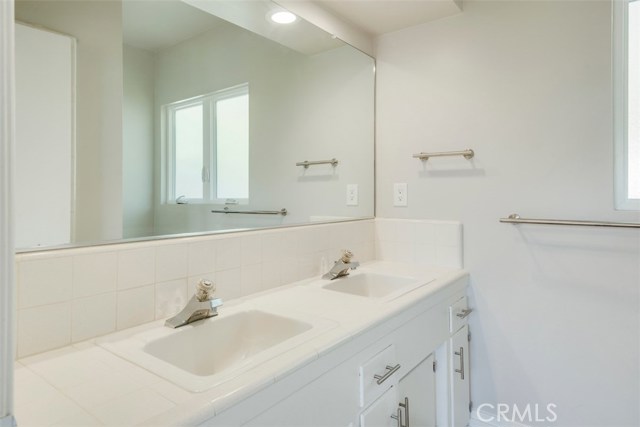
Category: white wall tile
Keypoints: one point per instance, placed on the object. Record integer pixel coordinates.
(126, 285)
(385, 230)
(136, 267)
(44, 281)
(94, 273)
(251, 279)
(425, 253)
(93, 316)
(271, 275)
(43, 328)
(136, 306)
(289, 243)
(251, 247)
(202, 257)
(228, 253)
(171, 297)
(404, 231)
(448, 235)
(272, 246)
(229, 284)
(289, 271)
(425, 233)
(171, 262)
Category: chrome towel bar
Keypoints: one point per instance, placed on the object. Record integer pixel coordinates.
(467, 154)
(282, 212)
(306, 163)
(516, 219)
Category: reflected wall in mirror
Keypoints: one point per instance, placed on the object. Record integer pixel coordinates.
(181, 109)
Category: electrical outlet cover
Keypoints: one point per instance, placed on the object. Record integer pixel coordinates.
(400, 194)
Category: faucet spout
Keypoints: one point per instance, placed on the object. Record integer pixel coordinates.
(342, 267)
(202, 305)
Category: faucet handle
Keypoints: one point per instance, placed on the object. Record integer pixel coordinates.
(346, 256)
(205, 289)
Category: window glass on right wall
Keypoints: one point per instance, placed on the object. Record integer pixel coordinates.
(626, 73)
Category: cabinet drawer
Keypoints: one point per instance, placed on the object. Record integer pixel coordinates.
(458, 313)
(380, 412)
(378, 374)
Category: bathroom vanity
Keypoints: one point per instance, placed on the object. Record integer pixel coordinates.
(386, 346)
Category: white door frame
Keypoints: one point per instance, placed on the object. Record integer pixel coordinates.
(7, 282)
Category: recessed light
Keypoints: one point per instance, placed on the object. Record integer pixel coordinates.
(283, 17)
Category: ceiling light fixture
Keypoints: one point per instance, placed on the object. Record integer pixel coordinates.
(283, 17)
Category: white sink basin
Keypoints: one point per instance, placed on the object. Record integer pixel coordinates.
(205, 353)
(373, 285)
(217, 345)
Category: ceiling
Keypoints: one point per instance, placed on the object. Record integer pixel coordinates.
(377, 17)
(156, 25)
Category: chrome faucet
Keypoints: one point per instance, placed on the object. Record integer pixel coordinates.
(342, 266)
(202, 305)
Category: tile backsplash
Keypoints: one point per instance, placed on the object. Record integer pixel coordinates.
(70, 295)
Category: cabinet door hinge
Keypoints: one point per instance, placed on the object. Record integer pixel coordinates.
(468, 336)
(435, 364)
(470, 406)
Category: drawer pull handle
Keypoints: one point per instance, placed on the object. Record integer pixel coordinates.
(398, 416)
(461, 354)
(464, 313)
(390, 371)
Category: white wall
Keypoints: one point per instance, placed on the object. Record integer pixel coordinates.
(527, 85)
(97, 26)
(45, 112)
(301, 107)
(137, 142)
(7, 279)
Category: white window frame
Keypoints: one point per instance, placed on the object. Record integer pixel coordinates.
(620, 112)
(209, 175)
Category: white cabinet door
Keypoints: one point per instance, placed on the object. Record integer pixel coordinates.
(417, 392)
(380, 412)
(459, 371)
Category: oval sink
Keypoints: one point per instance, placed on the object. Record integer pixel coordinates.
(208, 352)
(217, 345)
(373, 285)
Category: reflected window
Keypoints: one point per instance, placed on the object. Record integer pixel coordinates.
(626, 49)
(207, 148)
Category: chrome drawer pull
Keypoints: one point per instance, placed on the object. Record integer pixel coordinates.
(461, 354)
(390, 370)
(464, 313)
(398, 416)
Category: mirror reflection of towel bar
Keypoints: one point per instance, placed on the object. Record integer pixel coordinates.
(467, 154)
(515, 219)
(306, 163)
(282, 212)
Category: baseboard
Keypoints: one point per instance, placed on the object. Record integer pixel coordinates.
(8, 421)
(488, 419)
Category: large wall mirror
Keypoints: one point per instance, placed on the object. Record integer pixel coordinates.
(140, 118)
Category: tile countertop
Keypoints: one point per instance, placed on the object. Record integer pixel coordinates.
(86, 385)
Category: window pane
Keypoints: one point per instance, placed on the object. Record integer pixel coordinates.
(232, 137)
(188, 152)
(633, 130)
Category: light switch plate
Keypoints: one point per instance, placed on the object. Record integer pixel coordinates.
(352, 194)
(400, 194)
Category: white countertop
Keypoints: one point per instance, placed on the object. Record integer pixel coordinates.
(86, 385)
